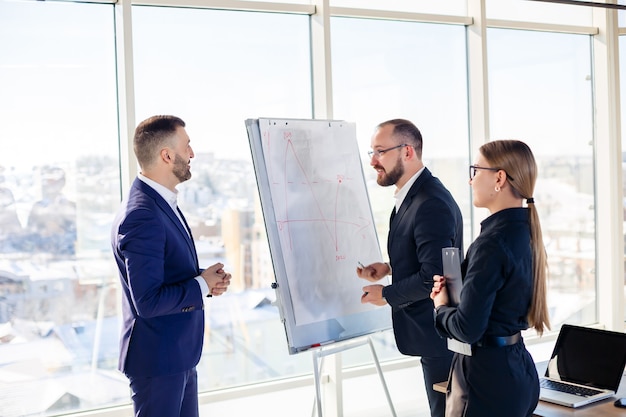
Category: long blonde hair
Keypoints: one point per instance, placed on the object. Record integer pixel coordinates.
(516, 158)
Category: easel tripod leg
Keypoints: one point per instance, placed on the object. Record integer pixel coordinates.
(382, 378)
(317, 368)
(318, 390)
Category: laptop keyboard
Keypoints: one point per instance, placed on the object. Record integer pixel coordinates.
(570, 389)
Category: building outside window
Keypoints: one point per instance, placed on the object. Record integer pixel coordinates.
(540, 92)
(59, 185)
(60, 175)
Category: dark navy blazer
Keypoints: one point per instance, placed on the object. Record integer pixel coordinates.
(162, 307)
(428, 220)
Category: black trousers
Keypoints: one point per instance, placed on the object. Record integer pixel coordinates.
(436, 369)
(494, 381)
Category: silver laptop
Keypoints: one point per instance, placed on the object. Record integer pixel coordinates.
(586, 366)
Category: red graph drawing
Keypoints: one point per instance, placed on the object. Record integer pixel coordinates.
(293, 172)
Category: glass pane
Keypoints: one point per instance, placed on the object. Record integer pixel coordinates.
(384, 70)
(540, 92)
(59, 189)
(540, 12)
(290, 1)
(221, 68)
(448, 7)
(622, 69)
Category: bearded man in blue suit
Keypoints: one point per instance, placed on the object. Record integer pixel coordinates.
(164, 289)
(425, 219)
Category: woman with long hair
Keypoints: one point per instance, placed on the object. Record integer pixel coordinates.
(503, 293)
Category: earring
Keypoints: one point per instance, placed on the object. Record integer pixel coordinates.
(497, 189)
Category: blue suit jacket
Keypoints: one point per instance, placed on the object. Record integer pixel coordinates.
(428, 220)
(162, 307)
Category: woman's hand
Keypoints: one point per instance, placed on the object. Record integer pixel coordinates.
(439, 293)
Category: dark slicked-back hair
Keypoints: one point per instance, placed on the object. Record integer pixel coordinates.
(405, 132)
(152, 134)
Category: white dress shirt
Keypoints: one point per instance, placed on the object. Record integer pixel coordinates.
(171, 197)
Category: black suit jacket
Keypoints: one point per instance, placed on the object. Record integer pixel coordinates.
(428, 220)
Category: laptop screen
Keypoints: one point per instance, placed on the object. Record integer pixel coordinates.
(586, 356)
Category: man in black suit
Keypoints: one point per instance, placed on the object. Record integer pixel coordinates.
(424, 220)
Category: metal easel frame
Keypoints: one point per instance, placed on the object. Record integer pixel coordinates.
(321, 352)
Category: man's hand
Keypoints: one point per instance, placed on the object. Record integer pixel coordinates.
(217, 279)
(373, 294)
(373, 272)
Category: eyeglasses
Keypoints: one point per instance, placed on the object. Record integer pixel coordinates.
(473, 168)
(380, 152)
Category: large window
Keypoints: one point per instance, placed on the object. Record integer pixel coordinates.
(387, 69)
(60, 171)
(540, 92)
(59, 185)
(622, 52)
(221, 68)
(448, 7)
(539, 11)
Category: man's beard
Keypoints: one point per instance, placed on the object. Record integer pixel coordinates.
(181, 169)
(391, 177)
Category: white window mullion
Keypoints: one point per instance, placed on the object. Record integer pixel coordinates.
(608, 172)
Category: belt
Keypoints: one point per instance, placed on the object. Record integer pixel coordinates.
(498, 341)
